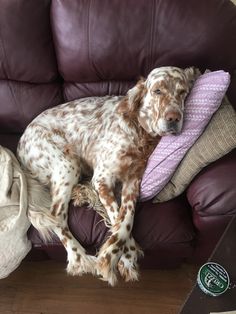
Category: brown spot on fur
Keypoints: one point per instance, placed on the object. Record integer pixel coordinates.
(126, 249)
(85, 112)
(128, 227)
(55, 208)
(108, 258)
(106, 194)
(122, 214)
(62, 208)
(131, 103)
(120, 243)
(69, 150)
(64, 241)
(65, 232)
(117, 226)
(58, 132)
(64, 113)
(49, 177)
(130, 197)
(113, 239)
(78, 257)
(99, 114)
(40, 156)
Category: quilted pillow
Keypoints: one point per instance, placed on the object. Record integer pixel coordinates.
(218, 139)
(203, 100)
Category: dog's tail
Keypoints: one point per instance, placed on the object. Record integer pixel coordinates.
(84, 194)
(39, 203)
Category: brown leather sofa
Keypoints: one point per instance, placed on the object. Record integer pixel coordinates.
(59, 50)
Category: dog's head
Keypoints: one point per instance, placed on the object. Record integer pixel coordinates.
(159, 100)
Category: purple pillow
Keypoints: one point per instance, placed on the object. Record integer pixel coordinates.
(203, 100)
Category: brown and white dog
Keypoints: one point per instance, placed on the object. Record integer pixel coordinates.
(112, 138)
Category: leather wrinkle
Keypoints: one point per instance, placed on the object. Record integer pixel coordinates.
(4, 55)
(151, 43)
(88, 41)
(102, 82)
(19, 108)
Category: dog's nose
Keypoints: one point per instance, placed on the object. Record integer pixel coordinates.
(173, 116)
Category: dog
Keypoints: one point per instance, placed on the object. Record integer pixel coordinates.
(111, 139)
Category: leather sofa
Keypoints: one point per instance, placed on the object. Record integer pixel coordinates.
(59, 50)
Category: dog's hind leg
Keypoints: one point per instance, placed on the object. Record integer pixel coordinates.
(64, 178)
(60, 170)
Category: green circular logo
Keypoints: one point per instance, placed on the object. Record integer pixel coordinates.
(213, 279)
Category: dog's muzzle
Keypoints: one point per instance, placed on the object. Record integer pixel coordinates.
(173, 121)
(173, 127)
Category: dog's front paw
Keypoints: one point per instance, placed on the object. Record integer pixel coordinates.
(128, 263)
(82, 265)
(107, 265)
(128, 269)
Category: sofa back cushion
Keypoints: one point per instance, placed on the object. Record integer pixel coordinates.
(104, 46)
(28, 68)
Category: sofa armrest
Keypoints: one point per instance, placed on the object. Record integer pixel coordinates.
(212, 196)
(213, 191)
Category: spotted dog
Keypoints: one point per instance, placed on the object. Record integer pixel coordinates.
(110, 138)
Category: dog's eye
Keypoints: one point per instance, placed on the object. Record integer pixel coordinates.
(158, 92)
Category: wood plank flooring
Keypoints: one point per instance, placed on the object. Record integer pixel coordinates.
(45, 288)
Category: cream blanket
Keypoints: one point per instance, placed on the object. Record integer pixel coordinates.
(14, 223)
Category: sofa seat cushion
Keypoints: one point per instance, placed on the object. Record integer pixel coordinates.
(158, 229)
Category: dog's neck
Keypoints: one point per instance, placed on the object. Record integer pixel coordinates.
(144, 141)
(147, 142)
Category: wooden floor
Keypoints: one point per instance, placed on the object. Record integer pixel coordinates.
(44, 288)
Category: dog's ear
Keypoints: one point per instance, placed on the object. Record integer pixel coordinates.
(133, 99)
(192, 74)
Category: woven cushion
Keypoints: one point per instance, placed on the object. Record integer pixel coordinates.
(217, 140)
(204, 99)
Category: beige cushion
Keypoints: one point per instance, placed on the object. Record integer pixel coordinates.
(14, 223)
(217, 140)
